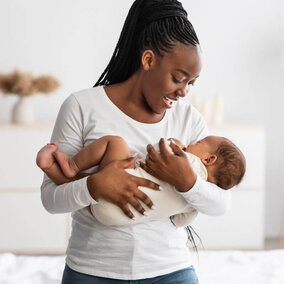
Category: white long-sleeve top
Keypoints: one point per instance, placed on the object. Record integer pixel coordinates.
(124, 252)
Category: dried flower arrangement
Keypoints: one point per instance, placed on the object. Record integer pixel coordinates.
(24, 84)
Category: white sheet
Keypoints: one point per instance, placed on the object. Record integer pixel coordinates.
(213, 267)
(238, 267)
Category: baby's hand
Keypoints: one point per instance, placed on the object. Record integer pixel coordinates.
(177, 142)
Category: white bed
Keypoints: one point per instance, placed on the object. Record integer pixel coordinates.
(213, 267)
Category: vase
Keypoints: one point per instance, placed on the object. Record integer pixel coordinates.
(22, 112)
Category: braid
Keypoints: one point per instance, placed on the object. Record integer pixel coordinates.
(123, 46)
(190, 231)
(153, 24)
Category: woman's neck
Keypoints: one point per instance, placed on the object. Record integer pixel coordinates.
(128, 97)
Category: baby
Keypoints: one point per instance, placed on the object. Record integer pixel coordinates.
(215, 159)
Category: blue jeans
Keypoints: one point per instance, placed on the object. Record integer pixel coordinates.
(183, 276)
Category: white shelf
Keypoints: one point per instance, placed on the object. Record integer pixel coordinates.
(19, 147)
(28, 227)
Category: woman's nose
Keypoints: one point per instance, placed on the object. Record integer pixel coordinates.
(183, 91)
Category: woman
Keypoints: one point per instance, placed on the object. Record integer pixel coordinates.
(155, 61)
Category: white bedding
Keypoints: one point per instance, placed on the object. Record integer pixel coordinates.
(213, 267)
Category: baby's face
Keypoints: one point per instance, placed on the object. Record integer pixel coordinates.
(206, 146)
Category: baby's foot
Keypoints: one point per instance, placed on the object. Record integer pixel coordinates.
(67, 164)
(44, 158)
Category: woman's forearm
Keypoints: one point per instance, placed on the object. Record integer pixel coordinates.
(208, 198)
(65, 198)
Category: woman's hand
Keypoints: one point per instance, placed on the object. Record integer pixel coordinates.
(115, 185)
(174, 169)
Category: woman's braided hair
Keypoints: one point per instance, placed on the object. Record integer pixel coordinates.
(153, 24)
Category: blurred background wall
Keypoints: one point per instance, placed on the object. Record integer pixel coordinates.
(243, 61)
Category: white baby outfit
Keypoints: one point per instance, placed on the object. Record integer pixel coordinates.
(167, 202)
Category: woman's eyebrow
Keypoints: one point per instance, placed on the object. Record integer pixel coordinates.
(183, 72)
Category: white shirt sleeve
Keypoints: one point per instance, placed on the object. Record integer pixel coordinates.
(68, 132)
(208, 198)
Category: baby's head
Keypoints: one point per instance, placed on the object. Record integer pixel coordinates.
(224, 161)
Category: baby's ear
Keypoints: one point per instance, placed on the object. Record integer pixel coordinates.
(209, 160)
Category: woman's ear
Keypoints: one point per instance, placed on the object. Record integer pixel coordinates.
(209, 160)
(147, 59)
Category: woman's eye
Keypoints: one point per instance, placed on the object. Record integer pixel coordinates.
(180, 81)
(176, 80)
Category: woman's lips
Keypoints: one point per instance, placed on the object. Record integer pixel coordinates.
(168, 102)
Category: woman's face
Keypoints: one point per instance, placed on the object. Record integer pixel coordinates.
(169, 77)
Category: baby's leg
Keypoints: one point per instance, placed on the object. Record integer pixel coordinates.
(115, 149)
(47, 163)
(100, 152)
(44, 158)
